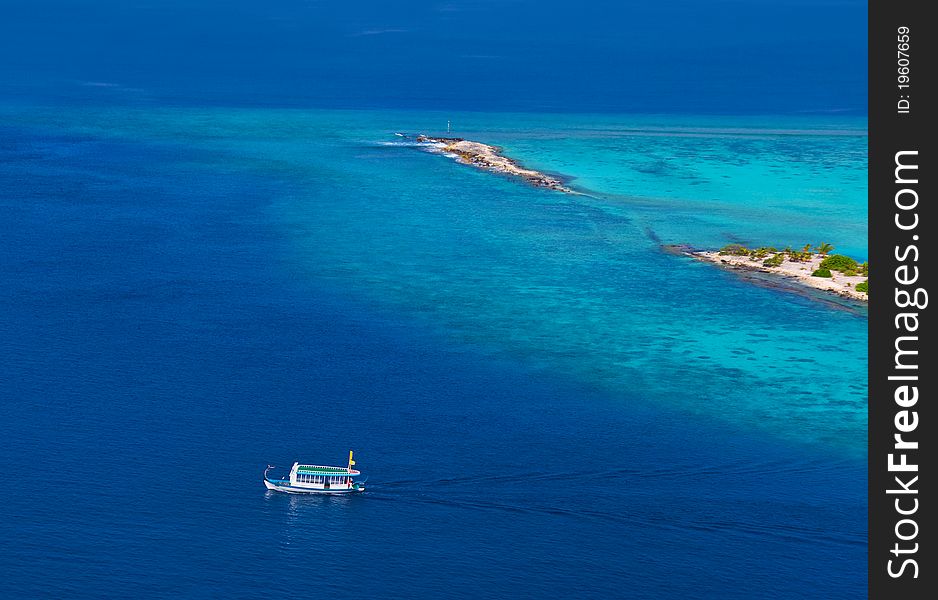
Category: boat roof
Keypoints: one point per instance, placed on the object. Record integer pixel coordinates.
(323, 470)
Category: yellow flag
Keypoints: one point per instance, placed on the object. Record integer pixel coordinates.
(350, 461)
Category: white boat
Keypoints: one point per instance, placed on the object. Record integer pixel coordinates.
(317, 479)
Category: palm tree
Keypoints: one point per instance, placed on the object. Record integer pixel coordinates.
(824, 249)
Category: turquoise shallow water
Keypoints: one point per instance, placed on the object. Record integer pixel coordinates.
(703, 181)
(574, 284)
(184, 282)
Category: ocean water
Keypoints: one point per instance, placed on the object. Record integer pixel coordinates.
(546, 404)
(607, 56)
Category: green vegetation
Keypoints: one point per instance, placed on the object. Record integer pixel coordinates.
(774, 261)
(735, 250)
(761, 252)
(802, 255)
(828, 264)
(839, 262)
(773, 258)
(832, 262)
(766, 252)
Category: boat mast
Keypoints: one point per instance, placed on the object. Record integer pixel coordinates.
(350, 462)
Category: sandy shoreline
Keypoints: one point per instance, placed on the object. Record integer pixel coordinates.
(800, 272)
(489, 158)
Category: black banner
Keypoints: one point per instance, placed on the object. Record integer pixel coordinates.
(902, 372)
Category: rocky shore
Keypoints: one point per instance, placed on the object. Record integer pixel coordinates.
(489, 158)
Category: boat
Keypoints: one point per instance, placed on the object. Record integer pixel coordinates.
(317, 479)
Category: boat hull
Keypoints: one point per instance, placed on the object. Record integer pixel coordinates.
(286, 488)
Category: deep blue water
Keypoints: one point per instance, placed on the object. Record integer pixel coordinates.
(546, 404)
(673, 56)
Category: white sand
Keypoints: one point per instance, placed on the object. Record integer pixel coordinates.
(839, 284)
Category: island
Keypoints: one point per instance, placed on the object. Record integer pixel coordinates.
(489, 158)
(813, 267)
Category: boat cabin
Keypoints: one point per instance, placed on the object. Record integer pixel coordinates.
(318, 477)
